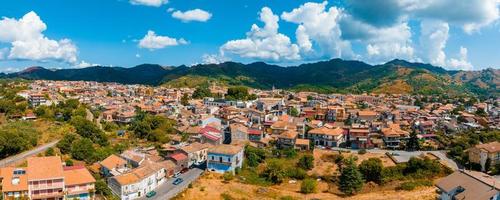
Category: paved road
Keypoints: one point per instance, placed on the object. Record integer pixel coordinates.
(168, 190)
(19, 157)
(404, 156)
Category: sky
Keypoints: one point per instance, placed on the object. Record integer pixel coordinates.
(454, 34)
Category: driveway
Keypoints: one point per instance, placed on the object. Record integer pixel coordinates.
(19, 157)
(168, 190)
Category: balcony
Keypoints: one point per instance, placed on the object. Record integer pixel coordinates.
(47, 195)
(46, 186)
(79, 190)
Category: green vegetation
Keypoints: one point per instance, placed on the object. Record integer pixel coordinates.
(350, 180)
(201, 92)
(411, 185)
(308, 186)
(306, 162)
(239, 93)
(372, 170)
(16, 137)
(152, 127)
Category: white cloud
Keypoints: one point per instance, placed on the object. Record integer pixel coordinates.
(433, 38)
(152, 41)
(461, 62)
(28, 42)
(84, 64)
(213, 59)
(264, 43)
(154, 3)
(192, 15)
(319, 26)
(137, 55)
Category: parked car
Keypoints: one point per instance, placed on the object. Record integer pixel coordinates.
(178, 181)
(150, 194)
(177, 174)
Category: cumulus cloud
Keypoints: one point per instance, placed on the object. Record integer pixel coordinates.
(213, 59)
(318, 26)
(461, 62)
(29, 43)
(152, 41)
(192, 15)
(154, 3)
(264, 43)
(84, 64)
(433, 38)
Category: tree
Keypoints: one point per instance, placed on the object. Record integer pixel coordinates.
(306, 162)
(413, 144)
(87, 129)
(293, 112)
(275, 171)
(487, 165)
(185, 99)
(16, 137)
(481, 112)
(308, 186)
(372, 170)
(201, 92)
(50, 152)
(228, 176)
(64, 144)
(237, 93)
(350, 180)
(83, 149)
(102, 188)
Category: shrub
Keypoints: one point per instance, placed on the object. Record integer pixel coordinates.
(362, 151)
(411, 185)
(306, 162)
(296, 173)
(228, 176)
(372, 170)
(350, 180)
(308, 186)
(287, 198)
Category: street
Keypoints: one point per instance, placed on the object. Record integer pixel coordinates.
(13, 159)
(168, 190)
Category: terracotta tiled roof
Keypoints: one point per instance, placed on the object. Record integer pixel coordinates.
(226, 149)
(112, 161)
(327, 131)
(8, 185)
(44, 168)
(78, 176)
(491, 147)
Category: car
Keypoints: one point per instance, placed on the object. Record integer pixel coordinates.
(177, 174)
(150, 194)
(177, 181)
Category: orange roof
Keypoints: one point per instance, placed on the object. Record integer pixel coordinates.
(113, 161)
(491, 147)
(367, 113)
(78, 176)
(327, 131)
(139, 173)
(8, 185)
(44, 168)
(226, 149)
(289, 134)
(302, 142)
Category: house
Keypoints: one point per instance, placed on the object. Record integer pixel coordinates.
(255, 135)
(46, 178)
(468, 185)
(113, 165)
(211, 135)
(239, 132)
(482, 152)
(133, 158)
(225, 158)
(196, 153)
(358, 137)
(330, 137)
(180, 159)
(78, 183)
(138, 182)
(36, 99)
(287, 139)
(367, 115)
(393, 135)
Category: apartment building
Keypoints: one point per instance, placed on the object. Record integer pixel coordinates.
(482, 152)
(222, 158)
(139, 181)
(46, 178)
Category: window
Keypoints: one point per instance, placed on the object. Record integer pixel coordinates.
(220, 159)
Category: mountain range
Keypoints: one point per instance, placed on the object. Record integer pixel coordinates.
(336, 75)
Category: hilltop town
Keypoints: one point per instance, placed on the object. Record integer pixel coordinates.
(92, 140)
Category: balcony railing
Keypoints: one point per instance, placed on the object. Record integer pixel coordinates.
(46, 186)
(47, 195)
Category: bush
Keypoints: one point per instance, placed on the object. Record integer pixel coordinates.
(308, 186)
(362, 151)
(228, 176)
(275, 171)
(287, 198)
(296, 173)
(306, 162)
(350, 180)
(411, 185)
(372, 170)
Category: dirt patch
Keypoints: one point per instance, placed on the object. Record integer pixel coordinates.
(211, 186)
(324, 160)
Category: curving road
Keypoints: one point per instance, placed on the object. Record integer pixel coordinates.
(19, 157)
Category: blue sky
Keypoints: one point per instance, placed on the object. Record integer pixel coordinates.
(455, 34)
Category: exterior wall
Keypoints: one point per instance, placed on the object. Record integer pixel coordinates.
(80, 192)
(139, 189)
(14, 195)
(221, 163)
(326, 140)
(237, 135)
(197, 157)
(286, 143)
(46, 188)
